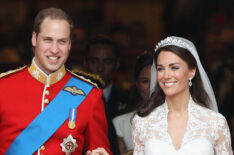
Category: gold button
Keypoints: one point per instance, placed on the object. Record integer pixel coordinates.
(46, 101)
(47, 92)
(42, 147)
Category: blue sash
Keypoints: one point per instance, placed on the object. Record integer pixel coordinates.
(49, 120)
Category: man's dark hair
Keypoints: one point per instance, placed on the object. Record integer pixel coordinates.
(52, 13)
(104, 40)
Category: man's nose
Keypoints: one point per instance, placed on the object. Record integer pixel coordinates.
(54, 48)
(100, 67)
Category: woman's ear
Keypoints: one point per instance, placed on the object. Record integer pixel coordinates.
(192, 73)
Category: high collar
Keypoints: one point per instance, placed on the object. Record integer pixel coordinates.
(44, 78)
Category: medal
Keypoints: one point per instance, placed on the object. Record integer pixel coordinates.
(69, 145)
(72, 118)
(71, 124)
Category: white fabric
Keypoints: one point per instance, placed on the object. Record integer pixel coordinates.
(153, 78)
(184, 43)
(123, 127)
(207, 133)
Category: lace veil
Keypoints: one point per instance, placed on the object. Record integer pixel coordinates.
(184, 43)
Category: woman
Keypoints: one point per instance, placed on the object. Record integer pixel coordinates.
(181, 116)
(139, 95)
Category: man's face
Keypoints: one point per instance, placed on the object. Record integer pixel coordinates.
(52, 44)
(101, 60)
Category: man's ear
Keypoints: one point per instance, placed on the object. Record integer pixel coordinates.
(34, 39)
(70, 42)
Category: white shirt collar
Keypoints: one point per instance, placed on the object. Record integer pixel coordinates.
(107, 91)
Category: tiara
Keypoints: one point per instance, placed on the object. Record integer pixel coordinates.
(177, 41)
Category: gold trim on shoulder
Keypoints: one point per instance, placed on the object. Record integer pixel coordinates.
(11, 71)
(85, 76)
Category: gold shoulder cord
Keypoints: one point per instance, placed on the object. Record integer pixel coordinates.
(93, 76)
(11, 72)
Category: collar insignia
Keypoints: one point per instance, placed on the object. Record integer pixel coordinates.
(69, 145)
(41, 76)
(74, 90)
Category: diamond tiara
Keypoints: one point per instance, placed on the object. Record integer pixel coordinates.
(177, 42)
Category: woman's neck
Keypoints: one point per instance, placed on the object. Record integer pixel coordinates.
(178, 104)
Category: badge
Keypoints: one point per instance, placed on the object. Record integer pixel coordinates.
(74, 90)
(72, 118)
(69, 145)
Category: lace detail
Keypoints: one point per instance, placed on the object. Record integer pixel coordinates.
(206, 127)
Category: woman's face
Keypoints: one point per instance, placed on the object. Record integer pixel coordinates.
(173, 74)
(143, 83)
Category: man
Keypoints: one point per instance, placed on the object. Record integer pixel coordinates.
(45, 109)
(102, 58)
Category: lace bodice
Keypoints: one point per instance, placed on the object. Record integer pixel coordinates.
(207, 133)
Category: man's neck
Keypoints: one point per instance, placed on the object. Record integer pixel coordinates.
(41, 76)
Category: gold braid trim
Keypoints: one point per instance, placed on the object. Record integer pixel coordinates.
(88, 77)
(11, 71)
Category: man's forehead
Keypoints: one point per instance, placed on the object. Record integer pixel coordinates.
(50, 19)
(50, 22)
(54, 27)
(101, 50)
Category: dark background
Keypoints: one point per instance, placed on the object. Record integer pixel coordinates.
(136, 25)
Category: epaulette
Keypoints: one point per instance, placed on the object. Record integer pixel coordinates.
(89, 77)
(11, 72)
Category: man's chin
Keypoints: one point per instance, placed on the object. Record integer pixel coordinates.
(53, 69)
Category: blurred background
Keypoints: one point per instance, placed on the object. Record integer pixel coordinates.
(136, 26)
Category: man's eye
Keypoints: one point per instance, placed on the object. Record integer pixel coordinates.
(109, 61)
(93, 61)
(62, 41)
(47, 39)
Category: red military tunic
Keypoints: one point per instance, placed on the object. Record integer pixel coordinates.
(25, 93)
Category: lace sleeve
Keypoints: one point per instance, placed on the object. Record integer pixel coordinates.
(223, 142)
(138, 146)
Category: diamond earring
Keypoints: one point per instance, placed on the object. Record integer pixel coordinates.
(190, 82)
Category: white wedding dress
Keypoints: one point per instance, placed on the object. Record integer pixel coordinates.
(207, 133)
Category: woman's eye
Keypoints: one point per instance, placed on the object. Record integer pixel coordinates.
(145, 81)
(174, 67)
(159, 68)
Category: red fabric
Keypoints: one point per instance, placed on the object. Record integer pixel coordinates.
(20, 102)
